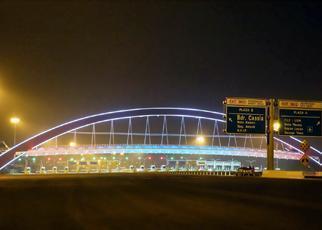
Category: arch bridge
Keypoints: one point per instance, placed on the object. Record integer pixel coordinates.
(156, 130)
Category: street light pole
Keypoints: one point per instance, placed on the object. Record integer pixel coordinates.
(14, 134)
(15, 121)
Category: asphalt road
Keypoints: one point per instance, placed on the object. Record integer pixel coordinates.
(155, 201)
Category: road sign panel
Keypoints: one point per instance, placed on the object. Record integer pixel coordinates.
(300, 104)
(246, 120)
(305, 146)
(305, 160)
(246, 102)
(300, 122)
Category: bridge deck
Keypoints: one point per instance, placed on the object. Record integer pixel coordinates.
(161, 149)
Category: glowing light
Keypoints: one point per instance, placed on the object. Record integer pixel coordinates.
(161, 158)
(276, 126)
(48, 158)
(126, 158)
(72, 144)
(121, 154)
(34, 159)
(149, 158)
(15, 120)
(139, 158)
(200, 140)
(59, 158)
(94, 158)
(113, 158)
(171, 158)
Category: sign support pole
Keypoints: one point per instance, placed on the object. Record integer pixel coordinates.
(270, 135)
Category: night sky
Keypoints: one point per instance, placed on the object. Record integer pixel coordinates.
(61, 60)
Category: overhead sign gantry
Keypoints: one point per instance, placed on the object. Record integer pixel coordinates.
(257, 116)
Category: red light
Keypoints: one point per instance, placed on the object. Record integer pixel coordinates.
(149, 158)
(161, 158)
(48, 158)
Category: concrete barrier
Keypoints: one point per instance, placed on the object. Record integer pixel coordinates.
(283, 174)
(313, 174)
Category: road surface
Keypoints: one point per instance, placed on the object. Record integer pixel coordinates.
(158, 201)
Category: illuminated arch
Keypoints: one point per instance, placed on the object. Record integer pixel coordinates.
(8, 156)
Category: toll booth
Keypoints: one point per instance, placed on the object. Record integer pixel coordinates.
(93, 166)
(226, 165)
(82, 166)
(72, 166)
(201, 164)
(217, 165)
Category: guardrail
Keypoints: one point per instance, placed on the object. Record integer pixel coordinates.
(196, 173)
(213, 173)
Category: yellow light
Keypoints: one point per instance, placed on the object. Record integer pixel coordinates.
(200, 140)
(276, 126)
(72, 144)
(14, 120)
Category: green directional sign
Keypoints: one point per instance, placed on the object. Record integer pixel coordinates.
(300, 118)
(295, 122)
(247, 120)
(245, 116)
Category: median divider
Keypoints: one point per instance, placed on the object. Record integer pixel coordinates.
(283, 174)
(313, 175)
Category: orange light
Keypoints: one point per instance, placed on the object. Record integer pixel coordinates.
(276, 126)
(14, 120)
(200, 140)
(72, 144)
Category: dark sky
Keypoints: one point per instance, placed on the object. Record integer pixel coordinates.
(60, 60)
